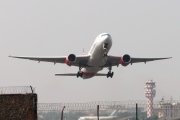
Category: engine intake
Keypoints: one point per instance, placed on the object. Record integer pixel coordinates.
(125, 60)
(70, 59)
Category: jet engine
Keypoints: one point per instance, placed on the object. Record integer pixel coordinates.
(70, 59)
(125, 60)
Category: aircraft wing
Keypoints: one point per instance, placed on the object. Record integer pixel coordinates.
(75, 74)
(115, 60)
(80, 59)
(136, 60)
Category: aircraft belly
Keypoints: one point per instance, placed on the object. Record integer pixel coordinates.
(90, 72)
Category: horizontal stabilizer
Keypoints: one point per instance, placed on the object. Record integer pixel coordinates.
(101, 74)
(67, 74)
(75, 74)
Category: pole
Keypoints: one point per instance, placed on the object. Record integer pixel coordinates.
(62, 113)
(136, 111)
(32, 89)
(97, 112)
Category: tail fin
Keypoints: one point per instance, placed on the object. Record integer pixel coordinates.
(114, 113)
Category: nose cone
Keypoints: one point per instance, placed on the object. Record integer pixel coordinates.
(106, 36)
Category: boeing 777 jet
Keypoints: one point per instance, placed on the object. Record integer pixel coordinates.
(97, 59)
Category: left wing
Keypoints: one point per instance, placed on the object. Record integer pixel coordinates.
(115, 60)
(80, 59)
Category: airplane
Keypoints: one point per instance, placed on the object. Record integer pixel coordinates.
(111, 117)
(93, 62)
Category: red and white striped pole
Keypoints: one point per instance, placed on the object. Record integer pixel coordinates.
(150, 93)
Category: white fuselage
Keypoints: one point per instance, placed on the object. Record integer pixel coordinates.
(97, 58)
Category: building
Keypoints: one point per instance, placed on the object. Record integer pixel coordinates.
(168, 110)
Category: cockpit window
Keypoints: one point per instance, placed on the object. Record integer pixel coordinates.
(105, 35)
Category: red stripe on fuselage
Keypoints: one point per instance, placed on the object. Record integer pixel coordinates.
(89, 74)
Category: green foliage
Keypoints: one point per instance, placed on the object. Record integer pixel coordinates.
(142, 116)
(125, 114)
(155, 117)
(52, 116)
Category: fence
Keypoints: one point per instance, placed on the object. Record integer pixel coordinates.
(102, 104)
(17, 90)
(169, 110)
(18, 103)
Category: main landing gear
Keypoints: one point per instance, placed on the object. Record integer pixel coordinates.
(110, 74)
(79, 73)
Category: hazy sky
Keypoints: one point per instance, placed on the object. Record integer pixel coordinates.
(61, 27)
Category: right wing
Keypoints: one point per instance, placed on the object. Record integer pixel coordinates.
(115, 60)
(75, 74)
(80, 59)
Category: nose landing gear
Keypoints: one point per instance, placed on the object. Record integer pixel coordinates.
(105, 54)
(105, 47)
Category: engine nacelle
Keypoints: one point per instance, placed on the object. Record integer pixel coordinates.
(70, 59)
(125, 60)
